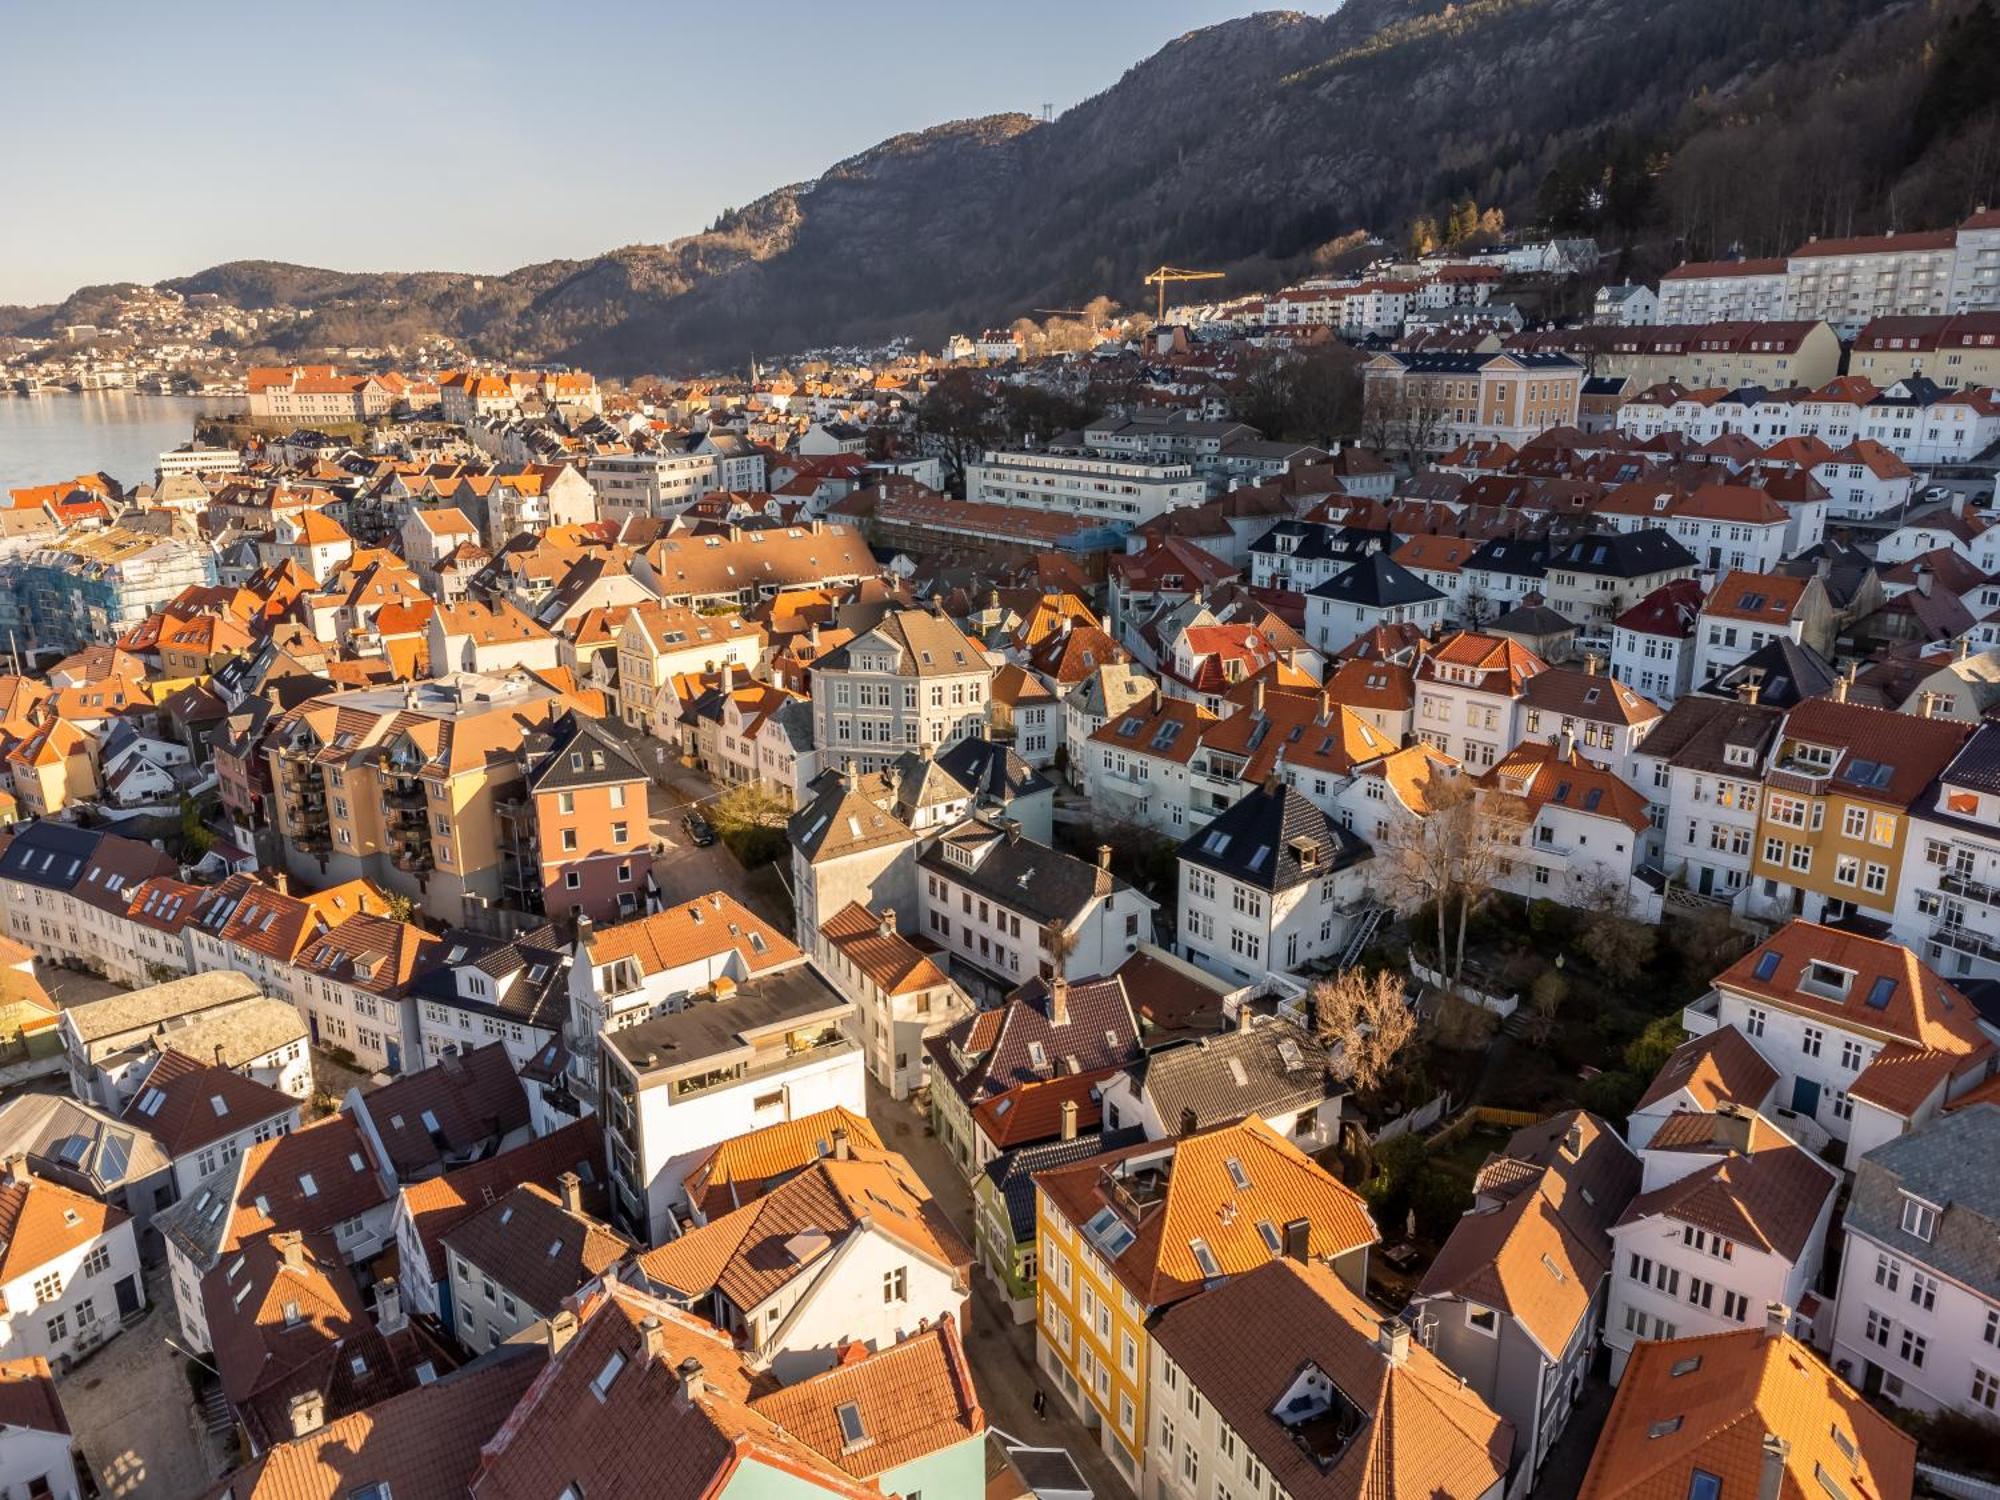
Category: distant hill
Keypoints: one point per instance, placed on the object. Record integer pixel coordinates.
(1672, 127)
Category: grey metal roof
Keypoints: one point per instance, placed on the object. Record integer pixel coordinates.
(1259, 841)
(710, 1029)
(1272, 1066)
(1020, 874)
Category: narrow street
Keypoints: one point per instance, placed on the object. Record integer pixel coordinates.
(1002, 1352)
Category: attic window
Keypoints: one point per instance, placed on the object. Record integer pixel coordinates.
(1237, 1175)
(1205, 1258)
(291, 1313)
(1881, 992)
(853, 1434)
(601, 1386)
(216, 1103)
(1664, 1429)
(1269, 1233)
(1685, 1366)
(354, 1160)
(150, 1102)
(307, 1185)
(1767, 965)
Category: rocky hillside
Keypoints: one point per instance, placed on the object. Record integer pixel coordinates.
(1243, 146)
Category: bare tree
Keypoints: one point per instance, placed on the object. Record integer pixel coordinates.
(1448, 857)
(1368, 1018)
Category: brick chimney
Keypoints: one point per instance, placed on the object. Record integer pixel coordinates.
(1103, 856)
(689, 1372)
(885, 921)
(652, 1338)
(17, 1170)
(570, 1189)
(291, 1246)
(1748, 689)
(1776, 1316)
(1069, 1119)
(1059, 1001)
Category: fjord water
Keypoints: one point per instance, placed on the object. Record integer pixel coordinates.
(57, 436)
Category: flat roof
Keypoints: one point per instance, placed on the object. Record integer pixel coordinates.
(708, 1030)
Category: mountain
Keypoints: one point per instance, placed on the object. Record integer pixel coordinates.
(1674, 127)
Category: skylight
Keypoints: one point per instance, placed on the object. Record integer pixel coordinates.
(601, 1386)
(1767, 965)
(852, 1433)
(1205, 1258)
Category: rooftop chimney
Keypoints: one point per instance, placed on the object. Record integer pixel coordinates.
(1245, 1016)
(1190, 1121)
(1776, 1316)
(689, 1371)
(1771, 1467)
(652, 1338)
(388, 1306)
(308, 1412)
(1059, 1001)
(1103, 856)
(562, 1328)
(291, 1245)
(1260, 695)
(571, 1192)
(1392, 1337)
(1748, 689)
(1069, 1119)
(1924, 579)
(17, 1170)
(841, 1147)
(1298, 1240)
(886, 922)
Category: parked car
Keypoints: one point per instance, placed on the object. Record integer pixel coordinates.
(700, 832)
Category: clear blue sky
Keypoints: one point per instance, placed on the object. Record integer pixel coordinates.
(147, 140)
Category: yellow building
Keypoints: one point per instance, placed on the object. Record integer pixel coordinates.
(1127, 1234)
(1835, 820)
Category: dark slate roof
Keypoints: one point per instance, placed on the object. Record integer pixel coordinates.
(1526, 557)
(1317, 540)
(1976, 768)
(992, 769)
(1846, 569)
(1696, 735)
(1624, 554)
(1377, 581)
(1012, 1173)
(1270, 1067)
(994, 1050)
(1026, 877)
(50, 855)
(578, 752)
(1947, 1162)
(540, 1002)
(716, 1028)
(1531, 619)
(459, 1108)
(1786, 673)
(1258, 841)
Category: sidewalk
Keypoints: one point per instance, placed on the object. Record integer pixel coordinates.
(1001, 1352)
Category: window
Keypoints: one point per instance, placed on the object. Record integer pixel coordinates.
(1812, 1041)
(1923, 1290)
(1985, 1388)
(601, 1386)
(1888, 1272)
(1735, 1306)
(1703, 1485)
(58, 1328)
(1482, 1319)
(1877, 1331)
(1919, 1219)
(98, 1261)
(1914, 1347)
(1753, 1021)
(896, 1285)
(49, 1287)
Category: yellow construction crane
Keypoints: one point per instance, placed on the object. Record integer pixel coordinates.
(1165, 274)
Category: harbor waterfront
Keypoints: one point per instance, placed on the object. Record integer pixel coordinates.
(58, 435)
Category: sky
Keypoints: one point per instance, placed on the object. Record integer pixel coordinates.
(149, 140)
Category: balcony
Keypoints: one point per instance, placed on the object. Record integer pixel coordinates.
(1703, 1016)
(405, 795)
(1969, 889)
(1964, 940)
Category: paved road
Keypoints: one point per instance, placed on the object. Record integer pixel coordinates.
(133, 1413)
(1001, 1352)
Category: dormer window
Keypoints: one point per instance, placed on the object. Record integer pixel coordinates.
(1825, 980)
(1919, 1218)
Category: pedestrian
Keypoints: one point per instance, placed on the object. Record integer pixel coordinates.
(1041, 1404)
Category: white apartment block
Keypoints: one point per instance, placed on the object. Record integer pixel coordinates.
(1948, 901)
(1724, 292)
(651, 484)
(915, 680)
(1115, 492)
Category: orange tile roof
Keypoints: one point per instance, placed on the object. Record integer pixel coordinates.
(1719, 1067)
(746, 1166)
(872, 944)
(1159, 1266)
(913, 1399)
(1541, 776)
(690, 931)
(1709, 1403)
(40, 1221)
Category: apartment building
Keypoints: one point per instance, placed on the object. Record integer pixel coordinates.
(916, 679)
(1597, 576)
(1651, 643)
(1833, 832)
(1747, 609)
(660, 642)
(38, 1454)
(1868, 1042)
(1571, 830)
(1514, 1302)
(1961, 348)
(1718, 291)
(1702, 773)
(575, 833)
(204, 1115)
(1440, 400)
(1270, 884)
(1472, 696)
(1004, 908)
(1731, 1217)
(514, 1264)
(1917, 1316)
(95, 585)
(657, 483)
(353, 982)
(1286, 1381)
(1846, 282)
(1139, 765)
(901, 996)
(1126, 1235)
(738, 567)
(315, 395)
(772, 1048)
(1116, 493)
(1948, 900)
(403, 785)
